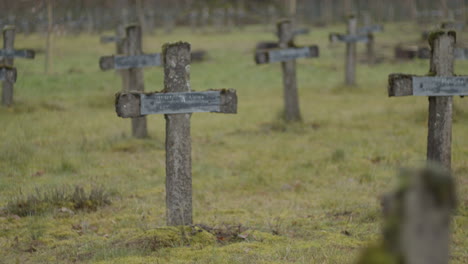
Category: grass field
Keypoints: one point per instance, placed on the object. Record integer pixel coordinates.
(276, 192)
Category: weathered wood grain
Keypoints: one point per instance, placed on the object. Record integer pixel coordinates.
(439, 140)
(8, 74)
(400, 84)
(135, 76)
(291, 98)
(279, 55)
(178, 141)
(351, 53)
(133, 104)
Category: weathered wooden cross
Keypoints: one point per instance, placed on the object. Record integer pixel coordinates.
(440, 86)
(369, 30)
(7, 55)
(177, 102)
(350, 39)
(287, 53)
(131, 64)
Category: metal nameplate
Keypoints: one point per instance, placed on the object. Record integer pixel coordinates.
(17, 53)
(301, 31)
(108, 39)
(370, 29)
(349, 38)
(440, 86)
(290, 54)
(137, 61)
(180, 103)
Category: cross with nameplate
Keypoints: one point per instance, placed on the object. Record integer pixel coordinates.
(440, 86)
(177, 102)
(369, 30)
(7, 55)
(130, 65)
(287, 53)
(350, 39)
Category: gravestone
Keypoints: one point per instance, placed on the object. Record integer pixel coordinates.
(287, 53)
(440, 86)
(351, 38)
(417, 219)
(130, 64)
(177, 102)
(7, 55)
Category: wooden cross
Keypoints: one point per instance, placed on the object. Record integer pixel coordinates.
(369, 30)
(350, 39)
(287, 54)
(177, 102)
(7, 55)
(440, 86)
(131, 64)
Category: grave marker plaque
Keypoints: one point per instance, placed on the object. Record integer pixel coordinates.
(120, 62)
(440, 89)
(177, 103)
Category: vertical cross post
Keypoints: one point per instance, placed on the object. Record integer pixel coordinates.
(291, 97)
(370, 50)
(439, 140)
(134, 78)
(176, 59)
(177, 102)
(418, 216)
(8, 45)
(350, 70)
(121, 49)
(440, 86)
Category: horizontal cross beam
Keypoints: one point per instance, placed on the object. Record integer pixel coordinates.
(27, 54)
(301, 31)
(120, 62)
(279, 55)
(407, 85)
(8, 74)
(134, 104)
(370, 29)
(337, 37)
(425, 52)
(109, 39)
